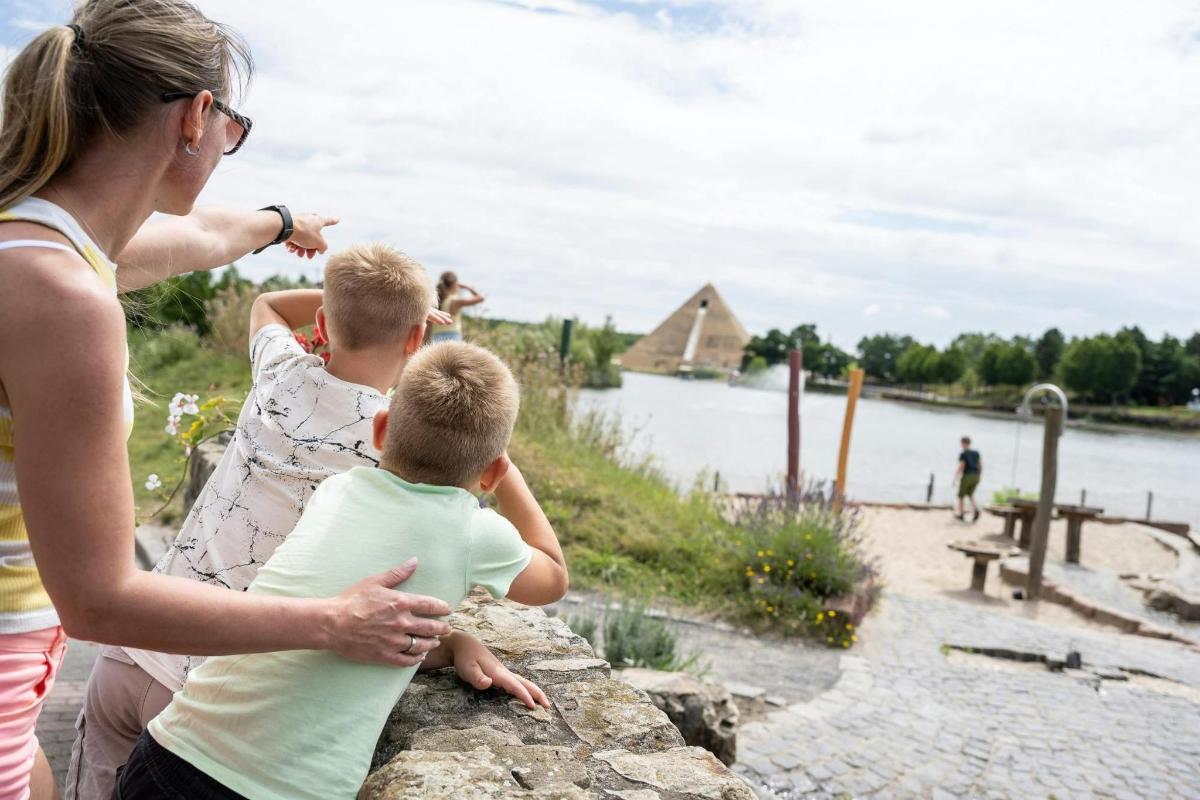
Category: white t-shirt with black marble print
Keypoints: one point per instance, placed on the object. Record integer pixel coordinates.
(299, 425)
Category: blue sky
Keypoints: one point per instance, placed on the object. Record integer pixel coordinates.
(926, 167)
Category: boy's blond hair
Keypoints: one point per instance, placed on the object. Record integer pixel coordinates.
(374, 295)
(452, 414)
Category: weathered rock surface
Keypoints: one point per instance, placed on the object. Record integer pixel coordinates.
(1168, 598)
(705, 713)
(446, 740)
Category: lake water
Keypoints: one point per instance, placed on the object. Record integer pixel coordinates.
(693, 426)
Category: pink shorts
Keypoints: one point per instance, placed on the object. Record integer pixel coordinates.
(28, 664)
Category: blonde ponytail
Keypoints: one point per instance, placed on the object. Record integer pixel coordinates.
(103, 74)
(35, 140)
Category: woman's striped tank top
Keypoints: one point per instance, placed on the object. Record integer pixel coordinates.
(24, 604)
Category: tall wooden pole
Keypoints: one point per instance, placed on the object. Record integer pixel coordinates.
(795, 364)
(856, 382)
(1041, 523)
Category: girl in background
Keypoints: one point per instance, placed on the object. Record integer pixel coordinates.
(451, 300)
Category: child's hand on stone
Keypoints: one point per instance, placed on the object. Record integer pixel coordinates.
(478, 666)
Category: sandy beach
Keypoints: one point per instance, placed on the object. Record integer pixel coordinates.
(910, 549)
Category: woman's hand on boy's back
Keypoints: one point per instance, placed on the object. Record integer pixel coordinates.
(372, 622)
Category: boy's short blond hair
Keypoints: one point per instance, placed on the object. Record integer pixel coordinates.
(374, 295)
(452, 414)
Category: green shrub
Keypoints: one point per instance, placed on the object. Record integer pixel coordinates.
(1001, 495)
(628, 636)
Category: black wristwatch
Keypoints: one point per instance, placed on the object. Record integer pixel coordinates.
(286, 232)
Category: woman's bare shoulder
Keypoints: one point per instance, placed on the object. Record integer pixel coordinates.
(37, 277)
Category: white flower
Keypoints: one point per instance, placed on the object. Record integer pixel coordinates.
(184, 404)
(153, 482)
(172, 426)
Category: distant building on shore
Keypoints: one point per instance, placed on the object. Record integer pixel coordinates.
(702, 334)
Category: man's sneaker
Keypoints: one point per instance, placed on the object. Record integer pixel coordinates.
(961, 517)
(976, 517)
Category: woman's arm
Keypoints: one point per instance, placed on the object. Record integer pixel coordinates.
(64, 385)
(210, 237)
(459, 303)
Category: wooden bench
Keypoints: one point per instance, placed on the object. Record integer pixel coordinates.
(1076, 516)
(1011, 514)
(1028, 510)
(983, 553)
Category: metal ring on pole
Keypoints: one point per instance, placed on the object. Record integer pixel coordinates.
(1048, 388)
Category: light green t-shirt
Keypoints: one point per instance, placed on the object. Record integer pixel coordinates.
(304, 723)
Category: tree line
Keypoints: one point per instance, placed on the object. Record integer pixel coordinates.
(1125, 367)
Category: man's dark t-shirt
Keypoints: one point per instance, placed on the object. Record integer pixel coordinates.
(970, 459)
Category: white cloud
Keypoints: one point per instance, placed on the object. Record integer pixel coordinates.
(1018, 165)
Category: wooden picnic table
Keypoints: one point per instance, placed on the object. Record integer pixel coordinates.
(983, 553)
(1010, 513)
(1076, 515)
(1028, 510)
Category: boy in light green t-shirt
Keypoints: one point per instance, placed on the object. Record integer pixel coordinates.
(302, 723)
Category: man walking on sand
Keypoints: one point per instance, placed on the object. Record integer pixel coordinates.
(970, 469)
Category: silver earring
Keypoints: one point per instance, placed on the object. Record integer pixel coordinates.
(187, 148)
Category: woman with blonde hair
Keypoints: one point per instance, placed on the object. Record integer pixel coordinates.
(451, 300)
(123, 113)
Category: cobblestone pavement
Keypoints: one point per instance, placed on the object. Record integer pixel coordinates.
(908, 719)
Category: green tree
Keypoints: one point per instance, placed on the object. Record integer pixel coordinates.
(1048, 351)
(1007, 364)
(972, 346)
(988, 367)
(772, 348)
(1101, 367)
(827, 360)
(1193, 345)
(1145, 389)
(1017, 366)
(951, 365)
(805, 336)
(917, 364)
(879, 354)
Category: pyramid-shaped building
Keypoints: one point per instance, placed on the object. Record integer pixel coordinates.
(702, 334)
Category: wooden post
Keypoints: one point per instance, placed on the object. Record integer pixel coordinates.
(1082, 498)
(564, 347)
(1149, 504)
(795, 364)
(929, 490)
(1053, 420)
(839, 489)
(1074, 535)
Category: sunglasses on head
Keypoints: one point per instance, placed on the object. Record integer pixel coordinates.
(237, 129)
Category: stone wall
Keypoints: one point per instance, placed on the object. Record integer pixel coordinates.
(602, 738)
